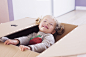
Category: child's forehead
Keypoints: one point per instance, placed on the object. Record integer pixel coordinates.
(50, 21)
(48, 18)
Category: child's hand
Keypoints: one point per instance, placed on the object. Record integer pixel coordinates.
(23, 48)
(9, 41)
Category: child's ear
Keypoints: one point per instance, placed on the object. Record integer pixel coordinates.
(53, 31)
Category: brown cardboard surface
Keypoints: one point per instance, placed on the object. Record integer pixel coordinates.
(14, 51)
(67, 28)
(74, 43)
(22, 24)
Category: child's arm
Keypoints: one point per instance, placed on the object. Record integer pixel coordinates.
(21, 40)
(25, 39)
(46, 43)
(9, 41)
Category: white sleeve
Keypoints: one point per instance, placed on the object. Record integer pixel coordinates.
(24, 40)
(46, 43)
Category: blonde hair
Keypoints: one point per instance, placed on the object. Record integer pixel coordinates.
(59, 28)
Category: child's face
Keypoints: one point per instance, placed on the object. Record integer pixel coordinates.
(47, 25)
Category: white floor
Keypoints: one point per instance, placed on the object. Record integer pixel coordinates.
(76, 17)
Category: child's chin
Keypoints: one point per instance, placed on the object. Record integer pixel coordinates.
(44, 28)
(43, 31)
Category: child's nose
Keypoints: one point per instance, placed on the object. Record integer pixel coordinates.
(46, 23)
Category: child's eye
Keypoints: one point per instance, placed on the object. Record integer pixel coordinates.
(45, 21)
(51, 24)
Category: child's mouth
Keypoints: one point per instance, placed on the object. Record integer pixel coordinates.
(45, 27)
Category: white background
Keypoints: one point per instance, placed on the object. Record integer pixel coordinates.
(62, 6)
(38, 8)
(31, 8)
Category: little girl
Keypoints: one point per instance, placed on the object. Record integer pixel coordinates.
(40, 41)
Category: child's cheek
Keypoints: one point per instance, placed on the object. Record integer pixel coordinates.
(51, 28)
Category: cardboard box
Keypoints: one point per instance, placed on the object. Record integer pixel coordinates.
(13, 51)
(66, 44)
(71, 45)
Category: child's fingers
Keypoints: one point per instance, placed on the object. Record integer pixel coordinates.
(28, 48)
(6, 42)
(21, 47)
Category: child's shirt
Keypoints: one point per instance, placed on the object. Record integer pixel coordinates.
(37, 41)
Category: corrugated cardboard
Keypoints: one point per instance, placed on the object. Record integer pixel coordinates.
(68, 28)
(14, 51)
(69, 44)
(74, 43)
(21, 24)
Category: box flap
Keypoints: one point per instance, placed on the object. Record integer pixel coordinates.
(14, 51)
(73, 43)
(17, 25)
